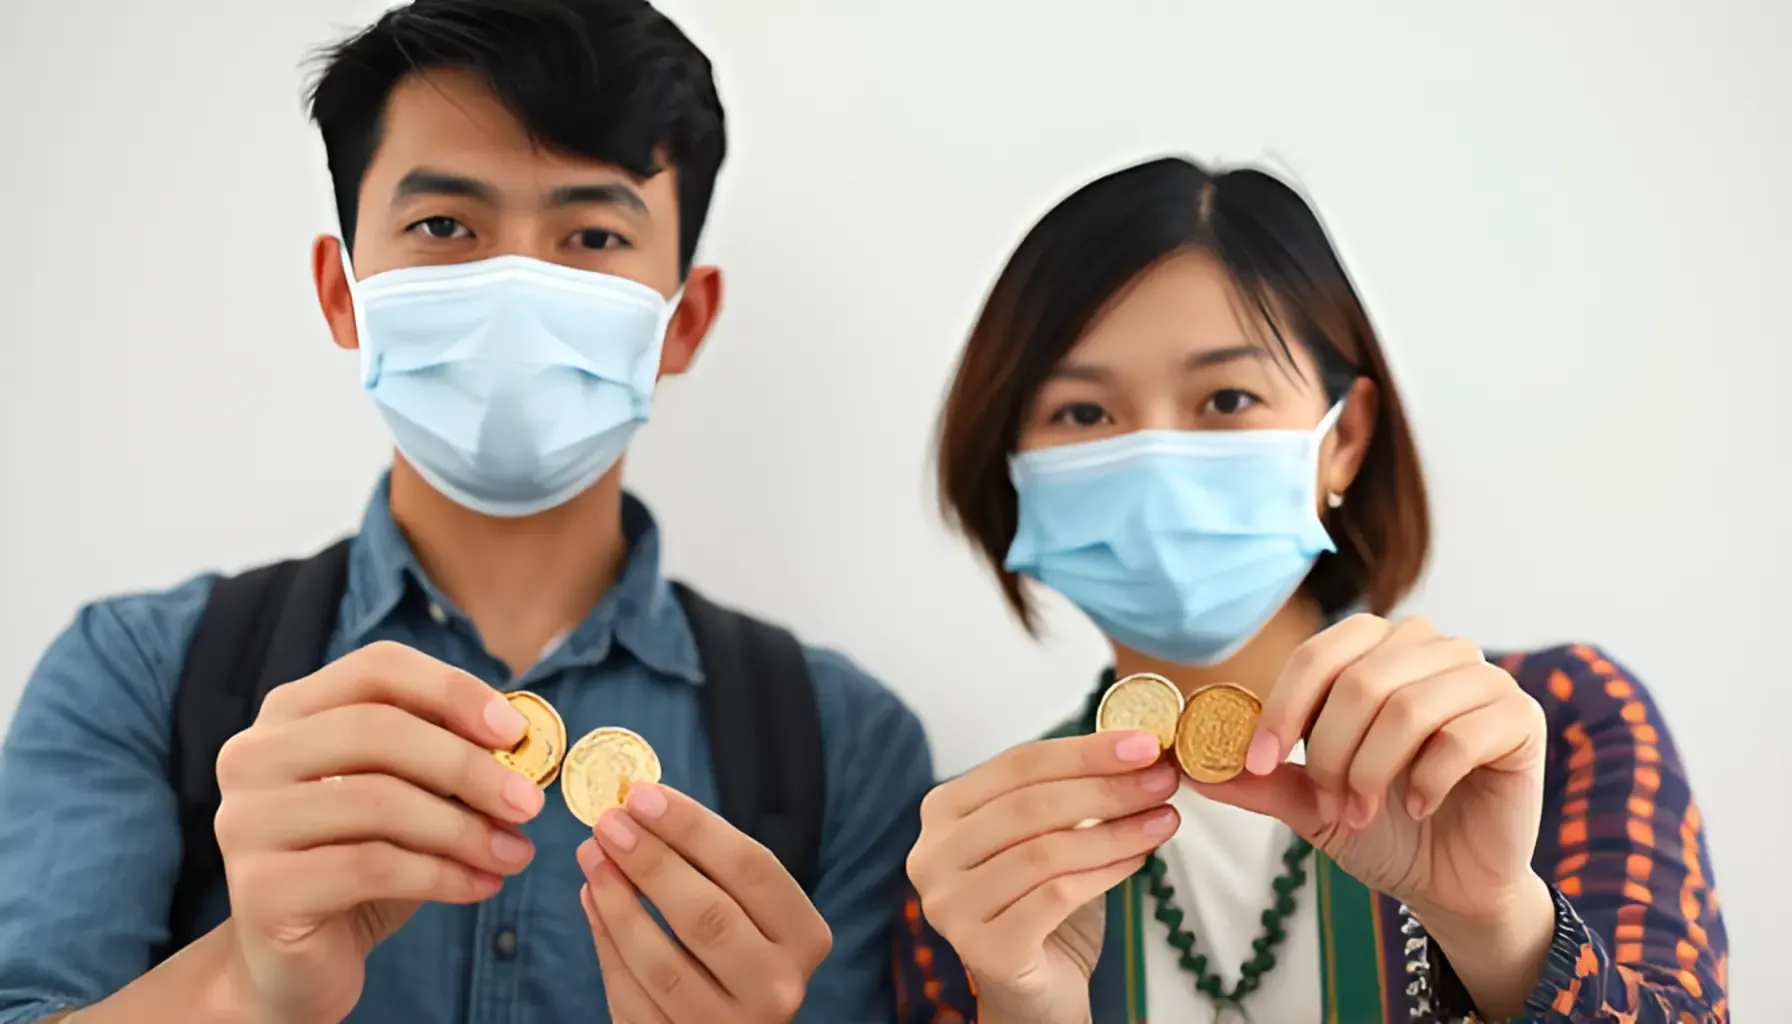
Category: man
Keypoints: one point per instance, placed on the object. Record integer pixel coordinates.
(521, 185)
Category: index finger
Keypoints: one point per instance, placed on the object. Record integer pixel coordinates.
(1301, 688)
(391, 673)
(733, 860)
(1070, 757)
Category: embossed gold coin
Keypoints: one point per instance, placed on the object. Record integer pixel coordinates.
(538, 753)
(1141, 701)
(601, 767)
(1214, 732)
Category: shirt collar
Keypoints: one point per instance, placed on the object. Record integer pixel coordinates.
(639, 612)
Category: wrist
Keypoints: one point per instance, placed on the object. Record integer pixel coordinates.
(231, 995)
(991, 1011)
(1525, 912)
(202, 984)
(219, 980)
(1497, 957)
(1003, 1005)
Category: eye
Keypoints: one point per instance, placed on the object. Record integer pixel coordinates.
(1081, 414)
(598, 239)
(441, 228)
(1230, 402)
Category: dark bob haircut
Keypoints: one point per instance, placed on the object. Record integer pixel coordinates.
(1083, 253)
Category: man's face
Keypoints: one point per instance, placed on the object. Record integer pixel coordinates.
(455, 179)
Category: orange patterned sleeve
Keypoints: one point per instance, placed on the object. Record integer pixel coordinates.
(1639, 936)
(931, 986)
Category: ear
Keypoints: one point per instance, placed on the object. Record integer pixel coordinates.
(697, 310)
(1348, 444)
(331, 279)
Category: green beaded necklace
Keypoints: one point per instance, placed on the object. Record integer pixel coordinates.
(1263, 960)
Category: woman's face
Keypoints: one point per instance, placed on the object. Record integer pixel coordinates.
(1173, 351)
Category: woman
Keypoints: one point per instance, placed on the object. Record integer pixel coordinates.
(1174, 412)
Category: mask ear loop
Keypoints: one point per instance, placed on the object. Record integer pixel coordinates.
(370, 360)
(1330, 420)
(1344, 532)
(1333, 499)
(670, 311)
(1317, 444)
(643, 403)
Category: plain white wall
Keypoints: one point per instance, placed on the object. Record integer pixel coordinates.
(1568, 220)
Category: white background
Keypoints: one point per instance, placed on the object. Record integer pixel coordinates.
(1570, 222)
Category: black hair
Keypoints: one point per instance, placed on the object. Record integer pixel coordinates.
(609, 80)
(1287, 277)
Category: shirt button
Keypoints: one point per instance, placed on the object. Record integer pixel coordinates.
(438, 613)
(504, 943)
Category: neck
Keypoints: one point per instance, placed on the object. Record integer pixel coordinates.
(1255, 666)
(524, 582)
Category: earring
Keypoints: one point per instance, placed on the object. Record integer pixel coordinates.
(1333, 499)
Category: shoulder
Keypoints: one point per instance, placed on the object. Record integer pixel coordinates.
(1578, 676)
(147, 630)
(1592, 700)
(114, 668)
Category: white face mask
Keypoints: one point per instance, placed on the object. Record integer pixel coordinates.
(511, 384)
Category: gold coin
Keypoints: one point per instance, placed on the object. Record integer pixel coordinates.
(601, 767)
(538, 753)
(1141, 701)
(1215, 730)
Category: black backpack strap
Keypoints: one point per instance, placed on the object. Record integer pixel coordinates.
(764, 731)
(267, 626)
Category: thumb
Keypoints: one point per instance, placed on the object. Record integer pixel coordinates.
(1287, 794)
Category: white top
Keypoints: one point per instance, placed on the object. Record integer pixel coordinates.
(1221, 863)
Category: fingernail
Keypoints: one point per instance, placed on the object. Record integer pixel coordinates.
(1357, 812)
(620, 830)
(1138, 747)
(647, 801)
(511, 849)
(1265, 752)
(522, 794)
(505, 720)
(1161, 824)
(1415, 806)
(1159, 781)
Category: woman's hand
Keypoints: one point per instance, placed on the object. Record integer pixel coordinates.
(1009, 879)
(1423, 775)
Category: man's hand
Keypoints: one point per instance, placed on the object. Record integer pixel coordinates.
(361, 791)
(750, 937)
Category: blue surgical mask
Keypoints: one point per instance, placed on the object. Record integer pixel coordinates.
(1179, 544)
(510, 384)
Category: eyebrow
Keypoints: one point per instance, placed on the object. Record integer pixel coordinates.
(1217, 356)
(606, 194)
(424, 181)
(1197, 361)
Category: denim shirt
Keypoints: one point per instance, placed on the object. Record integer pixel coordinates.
(90, 834)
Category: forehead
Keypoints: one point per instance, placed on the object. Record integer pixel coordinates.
(1180, 307)
(1186, 297)
(449, 120)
